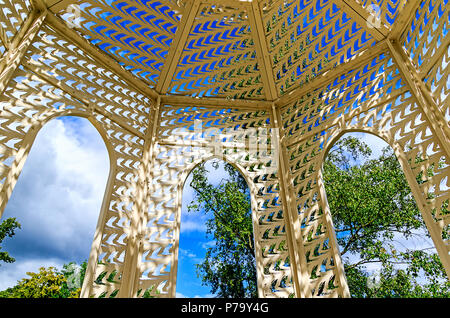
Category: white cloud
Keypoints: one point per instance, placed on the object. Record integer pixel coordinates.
(208, 244)
(58, 196)
(180, 295)
(186, 253)
(11, 273)
(192, 224)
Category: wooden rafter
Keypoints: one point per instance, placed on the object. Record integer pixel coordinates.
(176, 49)
(363, 18)
(18, 47)
(262, 51)
(403, 19)
(99, 56)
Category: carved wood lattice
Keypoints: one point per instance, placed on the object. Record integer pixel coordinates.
(272, 84)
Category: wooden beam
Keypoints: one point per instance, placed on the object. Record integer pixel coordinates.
(363, 18)
(176, 48)
(435, 57)
(262, 51)
(215, 102)
(404, 18)
(79, 96)
(19, 45)
(422, 95)
(330, 75)
(99, 56)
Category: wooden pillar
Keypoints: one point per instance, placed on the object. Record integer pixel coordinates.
(295, 242)
(131, 273)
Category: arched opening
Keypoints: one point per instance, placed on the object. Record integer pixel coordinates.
(383, 240)
(57, 199)
(216, 254)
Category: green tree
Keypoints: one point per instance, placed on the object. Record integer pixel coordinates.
(74, 277)
(7, 229)
(372, 208)
(46, 283)
(49, 283)
(229, 266)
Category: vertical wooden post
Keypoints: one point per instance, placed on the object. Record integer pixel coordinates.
(295, 242)
(131, 274)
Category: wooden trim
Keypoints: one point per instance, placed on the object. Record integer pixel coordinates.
(403, 19)
(215, 102)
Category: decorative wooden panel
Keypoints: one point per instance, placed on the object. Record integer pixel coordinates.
(271, 83)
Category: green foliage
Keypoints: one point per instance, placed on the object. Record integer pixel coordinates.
(7, 229)
(49, 283)
(229, 266)
(46, 283)
(372, 208)
(74, 277)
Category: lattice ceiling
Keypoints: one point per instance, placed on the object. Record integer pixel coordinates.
(304, 71)
(257, 50)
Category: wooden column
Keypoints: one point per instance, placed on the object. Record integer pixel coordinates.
(295, 242)
(131, 273)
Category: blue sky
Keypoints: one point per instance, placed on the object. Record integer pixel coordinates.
(58, 197)
(57, 200)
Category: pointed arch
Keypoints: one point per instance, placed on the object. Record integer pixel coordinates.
(425, 210)
(29, 142)
(255, 222)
